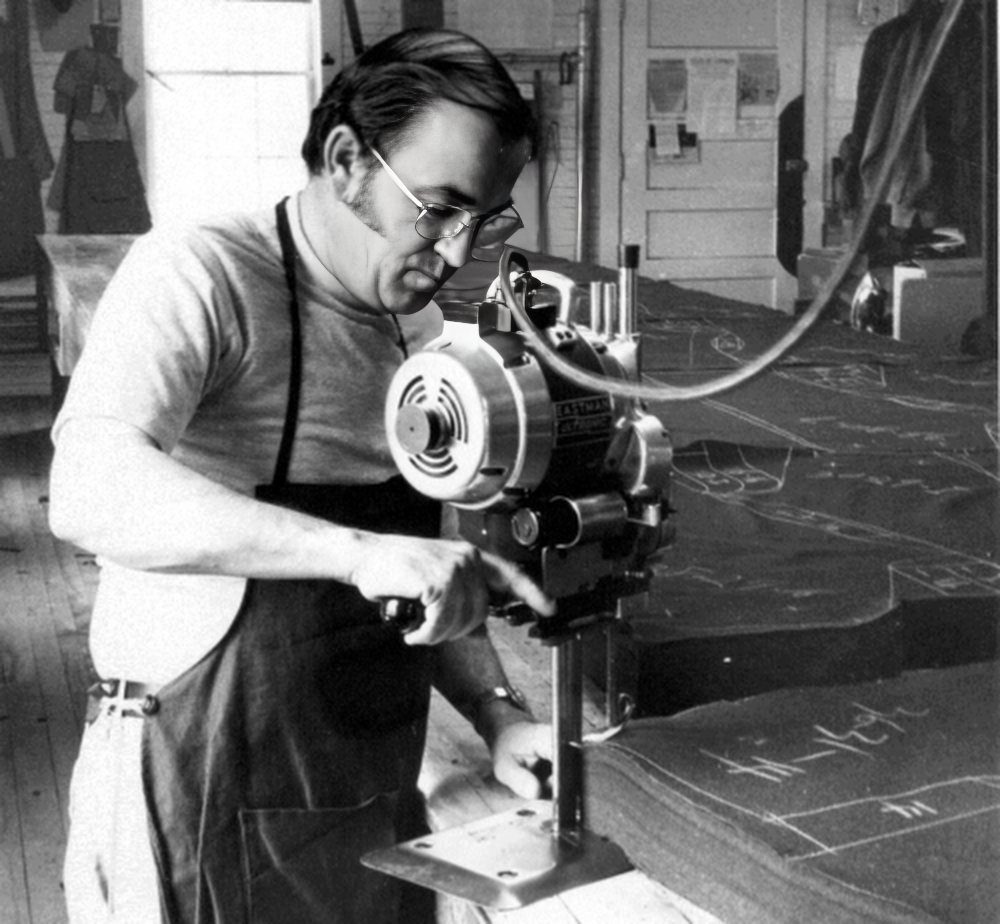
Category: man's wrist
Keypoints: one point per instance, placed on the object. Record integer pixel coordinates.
(497, 707)
(502, 692)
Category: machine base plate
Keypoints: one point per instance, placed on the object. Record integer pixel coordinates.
(503, 862)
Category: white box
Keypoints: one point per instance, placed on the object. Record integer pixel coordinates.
(934, 301)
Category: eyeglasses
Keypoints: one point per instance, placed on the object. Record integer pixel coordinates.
(489, 230)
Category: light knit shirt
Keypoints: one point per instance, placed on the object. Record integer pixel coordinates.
(191, 345)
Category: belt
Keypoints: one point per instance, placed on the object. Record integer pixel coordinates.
(126, 697)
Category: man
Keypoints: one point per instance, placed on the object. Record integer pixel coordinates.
(222, 449)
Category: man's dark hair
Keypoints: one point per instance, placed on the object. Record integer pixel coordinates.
(388, 88)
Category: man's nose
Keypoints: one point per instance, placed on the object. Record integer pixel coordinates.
(455, 250)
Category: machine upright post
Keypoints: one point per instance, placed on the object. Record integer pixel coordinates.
(582, 67)
(628, 264)
(619, 671)
(597, 306)
(626, 326)
(609, 312)
(567, 743)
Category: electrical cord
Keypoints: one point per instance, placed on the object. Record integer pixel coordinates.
(664, 392)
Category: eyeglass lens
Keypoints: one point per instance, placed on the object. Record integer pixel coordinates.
(436, 222)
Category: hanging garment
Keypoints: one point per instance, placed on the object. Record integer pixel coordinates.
(22, 217)
(7, 147)
(911, 184)
(98, 188)
(19, 92)
(939, 173)
(294, 746)
(24, 153)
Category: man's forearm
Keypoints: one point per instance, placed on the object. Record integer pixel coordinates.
(467, 668)
(115, 493)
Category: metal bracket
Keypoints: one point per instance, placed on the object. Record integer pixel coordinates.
(504, 862)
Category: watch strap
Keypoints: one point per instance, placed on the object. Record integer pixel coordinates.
(505, 693)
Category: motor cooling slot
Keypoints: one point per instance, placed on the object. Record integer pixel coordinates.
(430, 421)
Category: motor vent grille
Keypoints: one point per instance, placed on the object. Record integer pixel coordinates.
(445, 404)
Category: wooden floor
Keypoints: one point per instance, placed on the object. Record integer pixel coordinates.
(46, 588)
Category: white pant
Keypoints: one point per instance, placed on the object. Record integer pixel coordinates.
(109, 873)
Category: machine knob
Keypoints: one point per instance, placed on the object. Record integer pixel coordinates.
(525, 527)
(402, 613)
(419, 429)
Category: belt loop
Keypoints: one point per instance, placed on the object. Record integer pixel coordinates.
(120, 689)
(124, 698)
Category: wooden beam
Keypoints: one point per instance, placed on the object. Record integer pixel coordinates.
(354, 25)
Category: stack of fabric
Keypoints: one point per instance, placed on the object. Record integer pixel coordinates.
(867, 802)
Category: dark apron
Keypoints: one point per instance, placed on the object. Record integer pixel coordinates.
(294, 746)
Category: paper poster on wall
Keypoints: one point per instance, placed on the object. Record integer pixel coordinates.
(712, 95)
(511, 24)
(666, 142)
(758, 83)
(666, 87)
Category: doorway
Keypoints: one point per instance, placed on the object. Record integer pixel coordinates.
(704, 87)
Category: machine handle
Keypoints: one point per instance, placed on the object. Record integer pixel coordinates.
(565, 286)
(403, 613)
(407, 614)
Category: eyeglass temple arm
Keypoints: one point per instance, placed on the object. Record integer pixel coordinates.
(420, 205)
(395, 179)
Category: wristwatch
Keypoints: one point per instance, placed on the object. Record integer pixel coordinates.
(506, 692)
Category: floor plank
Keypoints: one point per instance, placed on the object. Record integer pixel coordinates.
(52, 618)
(29, 670)
(39, 722)
(13, 878)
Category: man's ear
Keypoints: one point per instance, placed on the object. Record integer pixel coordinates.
(344, 161)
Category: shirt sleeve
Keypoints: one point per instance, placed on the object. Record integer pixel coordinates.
(162, 337)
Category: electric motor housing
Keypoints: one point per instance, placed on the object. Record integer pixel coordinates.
(477, 421)
(568, 480)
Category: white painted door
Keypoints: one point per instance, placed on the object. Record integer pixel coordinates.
(229, 89)
(703, 85)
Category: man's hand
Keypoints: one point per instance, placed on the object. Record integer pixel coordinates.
(522, 758)
(451, 578)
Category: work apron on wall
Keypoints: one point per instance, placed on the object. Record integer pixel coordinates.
(294, 746)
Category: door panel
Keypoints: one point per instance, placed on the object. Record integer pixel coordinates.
(753, 289)
(703, 83)
(725, 235)
(744, 169)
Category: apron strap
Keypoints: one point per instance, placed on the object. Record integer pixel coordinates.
(295, 375)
